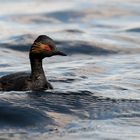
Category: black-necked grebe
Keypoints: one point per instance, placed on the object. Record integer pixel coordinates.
(42, 47)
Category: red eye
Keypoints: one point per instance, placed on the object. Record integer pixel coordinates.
(47, 48)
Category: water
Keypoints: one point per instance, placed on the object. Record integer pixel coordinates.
(96, 87)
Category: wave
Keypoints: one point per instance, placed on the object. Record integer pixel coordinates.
(38, 109)
(21, 43)
(22, 117)
(135, 30)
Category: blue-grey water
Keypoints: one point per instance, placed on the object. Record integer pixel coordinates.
(96, 87)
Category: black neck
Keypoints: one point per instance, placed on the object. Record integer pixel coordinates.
(36, 68)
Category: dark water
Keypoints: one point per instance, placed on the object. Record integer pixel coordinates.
(97, 86)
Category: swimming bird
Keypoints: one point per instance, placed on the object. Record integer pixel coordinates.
(42, 47)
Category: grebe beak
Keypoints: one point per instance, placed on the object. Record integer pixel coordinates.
(60, 53)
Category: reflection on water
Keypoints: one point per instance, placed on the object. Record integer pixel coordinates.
(96, 87)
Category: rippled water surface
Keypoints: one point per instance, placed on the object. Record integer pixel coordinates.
(96, 87)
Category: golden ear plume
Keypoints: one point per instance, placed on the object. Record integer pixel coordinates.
(36, 47)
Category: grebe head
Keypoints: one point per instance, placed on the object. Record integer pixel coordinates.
(43, 47)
